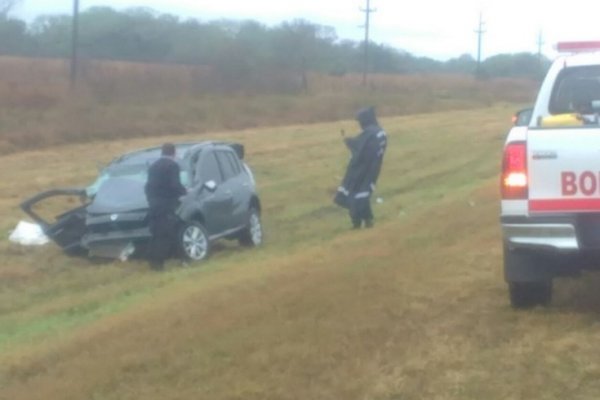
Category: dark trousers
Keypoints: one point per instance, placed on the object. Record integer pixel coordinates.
(360, 211)
(163, 227)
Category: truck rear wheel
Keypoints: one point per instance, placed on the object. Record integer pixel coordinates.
(529, 275)
(530, 294)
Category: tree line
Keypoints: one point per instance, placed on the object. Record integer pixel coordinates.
(237, 49)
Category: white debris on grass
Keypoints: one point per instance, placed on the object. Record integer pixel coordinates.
(127, 252)
(379, 200)
(28, 234)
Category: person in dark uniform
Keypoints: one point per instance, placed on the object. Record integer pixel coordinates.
(163, 190)
(368, 149)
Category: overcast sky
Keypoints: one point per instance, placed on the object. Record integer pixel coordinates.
(435, 28)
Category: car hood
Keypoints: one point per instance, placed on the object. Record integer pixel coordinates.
(119, 195)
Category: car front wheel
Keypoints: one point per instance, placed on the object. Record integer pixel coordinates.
(194, 243)
(252, 235)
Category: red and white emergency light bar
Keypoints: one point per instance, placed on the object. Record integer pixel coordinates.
(578, 47)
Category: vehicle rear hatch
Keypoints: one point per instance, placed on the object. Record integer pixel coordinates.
(564, 178)
(564, 170)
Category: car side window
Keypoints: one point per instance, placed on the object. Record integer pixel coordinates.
(226, 166)
(208, 169)
(194, 166)
(235, 164)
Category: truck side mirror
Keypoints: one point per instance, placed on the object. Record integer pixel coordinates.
(522, 117)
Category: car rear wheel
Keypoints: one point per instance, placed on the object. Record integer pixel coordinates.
(252, 235)
(194, 243)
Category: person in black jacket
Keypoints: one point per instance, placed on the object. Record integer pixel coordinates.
(363, 170)
(163, 190)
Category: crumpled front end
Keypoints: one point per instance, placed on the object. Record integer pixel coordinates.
(80, 232)
(115, 229)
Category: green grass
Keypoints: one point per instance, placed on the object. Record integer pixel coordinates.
(413, 309)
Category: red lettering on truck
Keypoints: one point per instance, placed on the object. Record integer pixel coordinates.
(586, 184)
(569, 184)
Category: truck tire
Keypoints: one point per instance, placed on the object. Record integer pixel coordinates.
(529, 276)
(530, 294)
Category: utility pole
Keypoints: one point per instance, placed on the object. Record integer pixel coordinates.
(480, 32)
(75, 45)
(368, 11)
(540, 44)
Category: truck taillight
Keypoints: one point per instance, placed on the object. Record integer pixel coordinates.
(514, 171)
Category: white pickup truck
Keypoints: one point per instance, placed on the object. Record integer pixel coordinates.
(550, 183)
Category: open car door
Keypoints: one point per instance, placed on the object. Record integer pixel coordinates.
(68, 228)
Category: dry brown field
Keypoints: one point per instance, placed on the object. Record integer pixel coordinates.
(415, 308)
(119, 100)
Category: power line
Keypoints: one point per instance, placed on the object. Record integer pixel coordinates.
(480, 32)
(367, 11)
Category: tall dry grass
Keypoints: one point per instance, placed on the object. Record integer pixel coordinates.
(119, 99)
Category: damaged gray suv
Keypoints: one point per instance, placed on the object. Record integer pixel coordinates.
(112, 221)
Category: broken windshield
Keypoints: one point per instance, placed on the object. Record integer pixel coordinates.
(133, 172)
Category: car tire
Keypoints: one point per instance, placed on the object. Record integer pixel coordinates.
(193, 241)
(530, 294)
(252, 235)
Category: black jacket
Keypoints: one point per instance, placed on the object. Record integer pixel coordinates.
(363, 170)
(164, 188)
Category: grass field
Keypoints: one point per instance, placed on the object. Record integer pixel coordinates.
(118, 100)
(415, 308)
